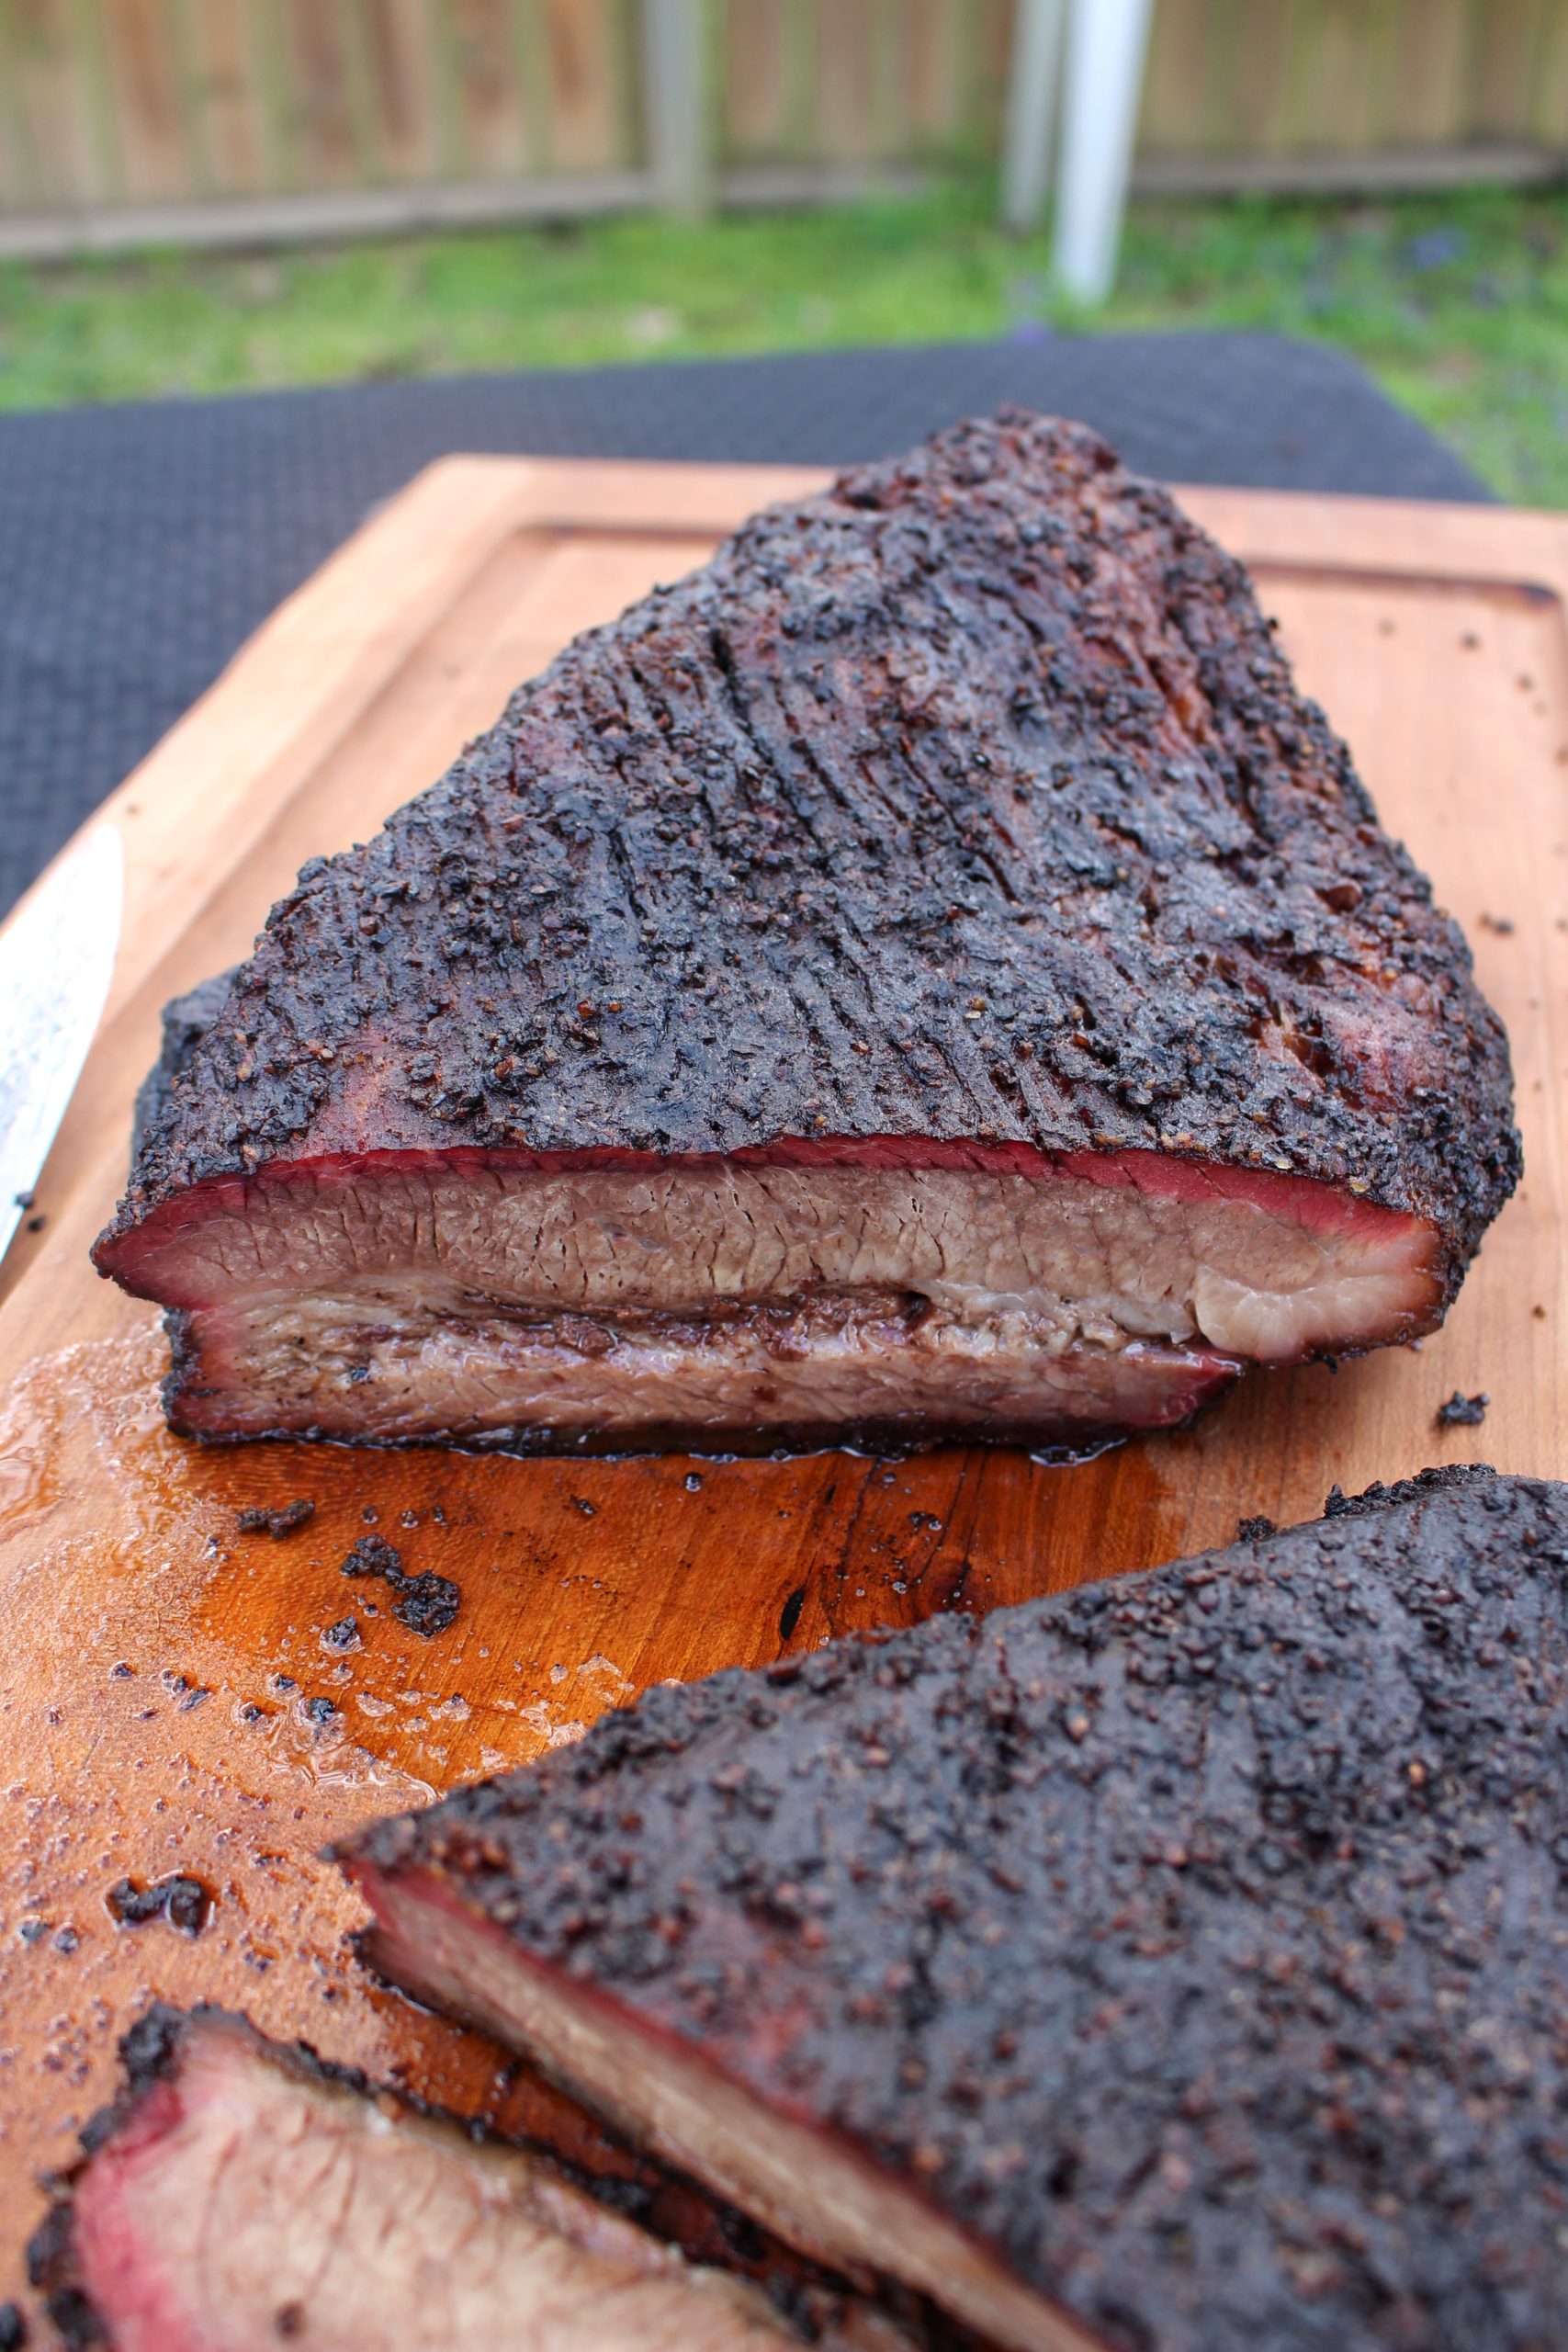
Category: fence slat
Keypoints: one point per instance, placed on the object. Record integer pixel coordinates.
(988, 79)
(1505, 64)
(1260, 87)
(186, 65)
(581, 107)
(359, 90)
(1172, 116)
(227, 97)
(800, 69)
(533, 81)
(51, 112)
(99, 99)
(1430, 106)
(844, 79)
(890, 33)
(17, 179)
(154, 144)
(1381, 69)
(402, 103)
(1244, 48)
(275, 118)
(1548, 117)
(485, 89)
(1340, 90)
(928, 61)
(627, 92)
(754, 81)
(318, 94)
(441, 71)
(41, 74)
(13, 194)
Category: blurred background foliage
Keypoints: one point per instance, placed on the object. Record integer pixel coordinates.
(1457, 303)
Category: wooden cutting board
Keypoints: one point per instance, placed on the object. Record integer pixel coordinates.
(162, 1676)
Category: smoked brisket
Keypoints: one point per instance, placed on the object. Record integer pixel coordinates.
(928, 973)
(1179, 1963)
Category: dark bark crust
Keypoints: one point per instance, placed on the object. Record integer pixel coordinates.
(187, 1020)
(1199, 1941)
(990, 730)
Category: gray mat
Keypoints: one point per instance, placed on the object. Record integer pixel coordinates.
(140, 545)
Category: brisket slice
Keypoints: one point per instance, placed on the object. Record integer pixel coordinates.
(1179, 1963)
(239, 2195)
(928, 973)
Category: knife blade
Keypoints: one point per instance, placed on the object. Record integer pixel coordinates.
(56, 960)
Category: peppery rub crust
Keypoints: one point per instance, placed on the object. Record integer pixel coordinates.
(991, 728)
(1196, 1941)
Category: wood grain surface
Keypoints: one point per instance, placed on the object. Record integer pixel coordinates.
(167, 1699)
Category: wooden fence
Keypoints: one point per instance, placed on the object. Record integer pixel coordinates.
(215, 119)
(155, 102)
(1291, 92)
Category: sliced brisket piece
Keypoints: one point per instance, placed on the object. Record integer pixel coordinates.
(239, 2195)
(1179, 1963)
(930, 972)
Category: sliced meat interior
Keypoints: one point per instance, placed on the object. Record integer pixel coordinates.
(735, 1304)
(1175, 1964)
(927, 973)
(240, 2196)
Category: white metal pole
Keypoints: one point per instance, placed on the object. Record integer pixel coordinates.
(674, 98)
(1106, 44)
(1034, 74)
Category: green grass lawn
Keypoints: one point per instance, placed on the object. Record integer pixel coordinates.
(1458, 304)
